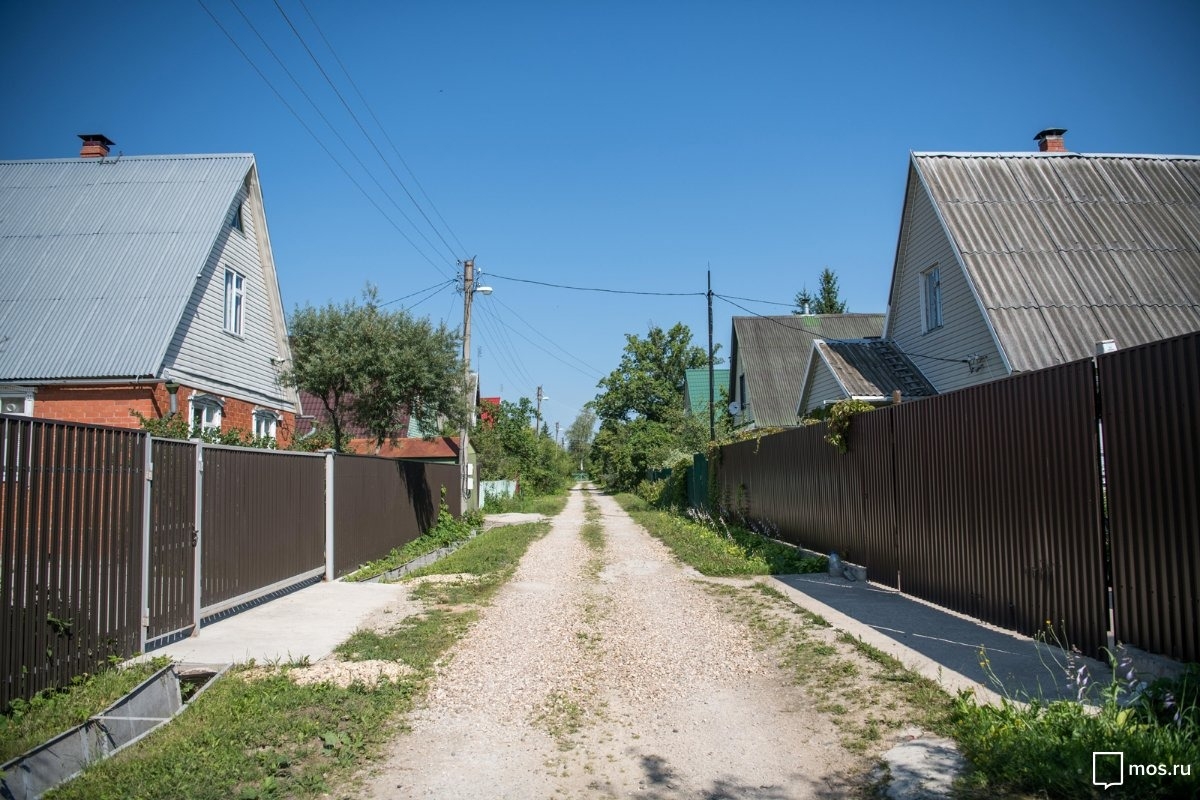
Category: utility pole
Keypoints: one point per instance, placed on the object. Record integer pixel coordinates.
(537, 429)
(463, 464)
(712, 413)
(556, 441)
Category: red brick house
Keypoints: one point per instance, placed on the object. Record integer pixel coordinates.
(141, 284)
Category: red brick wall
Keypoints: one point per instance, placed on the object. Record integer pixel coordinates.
(111, 405)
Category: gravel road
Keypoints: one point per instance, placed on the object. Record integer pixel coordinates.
(611, 674)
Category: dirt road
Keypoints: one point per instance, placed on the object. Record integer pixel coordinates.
(611, 672)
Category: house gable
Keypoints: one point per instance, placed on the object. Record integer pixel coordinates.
(944, 354)
(203, 352)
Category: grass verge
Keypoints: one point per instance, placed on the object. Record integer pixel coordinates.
(445, 532)
(29, 723)
(544, 504)
(735, 552)
(866, 691)
(258, 733)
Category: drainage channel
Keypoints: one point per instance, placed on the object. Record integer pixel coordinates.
(152, 703)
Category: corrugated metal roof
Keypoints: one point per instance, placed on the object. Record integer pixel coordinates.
(98, 258)
(774, 352)
(874, 369)
(695, 383)
(1068, 249)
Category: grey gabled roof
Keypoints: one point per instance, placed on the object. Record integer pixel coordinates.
(873, 368)
(98, 258)
(774, 352)
(1065, 249)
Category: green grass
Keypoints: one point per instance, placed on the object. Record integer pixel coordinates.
(592, 530)
(712, 553)
(447, 531)
(30, 723)
(252, 735)
(546, 504)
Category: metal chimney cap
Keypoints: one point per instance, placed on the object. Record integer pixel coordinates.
(1048, 133)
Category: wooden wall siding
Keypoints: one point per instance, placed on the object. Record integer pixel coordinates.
(70, 551)
(1152, 438)
(822, 387)
(263, 520)
(964, 329)
(203, 353)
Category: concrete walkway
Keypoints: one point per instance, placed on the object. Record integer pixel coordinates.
(939, 644)
(307, 623)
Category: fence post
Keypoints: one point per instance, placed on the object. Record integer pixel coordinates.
(198, 580)
(147, 488)
(329, 571)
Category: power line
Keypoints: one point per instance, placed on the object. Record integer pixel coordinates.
(551, 353)
(441, 288)
(364, 131)
(752, 300)
(544, 336)
(595, 289)
(314, 136)
(441, 285)
(330, 125)
(517, 374)
(837, 341)
(380, 125)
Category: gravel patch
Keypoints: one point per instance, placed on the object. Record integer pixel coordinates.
(611, 674)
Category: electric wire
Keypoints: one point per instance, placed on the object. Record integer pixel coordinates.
(837, 341)
(364, 131)
(551, 353)
(380, 125)
(595, 289)
(441, 285)
(504, 341)
(331, 126)
(314, 136)
(544, 336)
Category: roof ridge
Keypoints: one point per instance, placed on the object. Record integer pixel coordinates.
(1051, 155)
(120, 158)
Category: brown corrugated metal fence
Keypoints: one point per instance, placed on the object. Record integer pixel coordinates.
(1151, 419)
(263, 521)
(173, 538)
(71, 507)
(985, 501)
(997, 507)
(381, 503)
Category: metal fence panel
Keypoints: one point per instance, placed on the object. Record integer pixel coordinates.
(70, 553)
(1151, 415)
(172, 538)
(383, 503)
(998, 503)
(262, 524)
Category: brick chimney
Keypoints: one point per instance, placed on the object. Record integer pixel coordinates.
(1051, 140)
(95, 145)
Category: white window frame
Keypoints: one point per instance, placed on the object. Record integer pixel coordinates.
(931, 299)
(266, 422)
(13, 394)
(213, 409)
(235, 301)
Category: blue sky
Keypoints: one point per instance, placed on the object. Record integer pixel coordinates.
(626, 145)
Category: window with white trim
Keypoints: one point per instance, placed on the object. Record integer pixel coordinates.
(16, 400)
(205, 411)
(235, 301)
(265, 423)
(931, 298)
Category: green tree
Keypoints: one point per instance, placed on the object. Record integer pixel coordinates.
(369, 366)
(579, 435)
(643, 423)
(825, 301)
(508, 448)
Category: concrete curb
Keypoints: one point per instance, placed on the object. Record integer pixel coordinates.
(419, 561)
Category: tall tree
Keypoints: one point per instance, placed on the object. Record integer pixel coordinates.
(642, 420)
(825, 301)
(580, 433)
(370, 366)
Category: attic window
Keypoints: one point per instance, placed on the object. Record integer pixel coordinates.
(931, 298)
(235, 301)
(236, 223)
